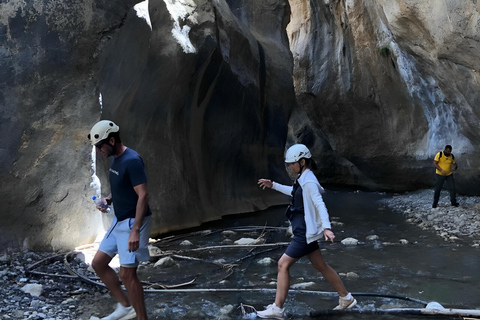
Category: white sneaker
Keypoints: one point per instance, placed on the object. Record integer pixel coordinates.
(271, 312)
(121, 313)
(345, 303)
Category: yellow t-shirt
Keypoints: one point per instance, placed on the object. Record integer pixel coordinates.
(445, 163)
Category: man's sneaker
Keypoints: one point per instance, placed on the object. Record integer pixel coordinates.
(271, 312)
(434, 205)
(455, 204)
(121, 313)
(345, 303)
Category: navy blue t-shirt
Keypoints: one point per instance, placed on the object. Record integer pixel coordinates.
(126, 172)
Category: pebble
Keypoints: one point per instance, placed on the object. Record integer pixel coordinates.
(349, 242)
(245, 241)
(266, 261)
(186, 243)
(165, 262)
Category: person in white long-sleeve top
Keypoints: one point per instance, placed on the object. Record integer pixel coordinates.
(309, 218)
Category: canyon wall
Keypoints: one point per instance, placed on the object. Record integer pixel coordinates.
(203, 92)
(210, 93)
(383, 86)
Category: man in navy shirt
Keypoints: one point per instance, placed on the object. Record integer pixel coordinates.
(130, 229)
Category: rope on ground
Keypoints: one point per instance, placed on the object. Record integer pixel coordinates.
(244, 228)
(381, 295)
(398, 311)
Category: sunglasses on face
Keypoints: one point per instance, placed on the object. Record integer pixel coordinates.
(100, 144)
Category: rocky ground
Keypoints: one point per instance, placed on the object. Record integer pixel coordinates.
(451, 223)
(36, 285)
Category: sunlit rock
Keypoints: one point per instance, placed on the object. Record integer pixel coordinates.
(154, 251)
(349, 242)
(352, 275)
(186, 243)
(372, 237)
(33, 289)
(165, 262)
(266, 261)
(404, 241)
(434, 305)
(245, 241)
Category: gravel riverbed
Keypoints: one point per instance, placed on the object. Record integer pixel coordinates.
(451, 223)
(36, 285)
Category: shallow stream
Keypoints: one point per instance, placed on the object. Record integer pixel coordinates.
(427, 268)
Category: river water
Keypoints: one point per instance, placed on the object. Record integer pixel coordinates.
(426, 269)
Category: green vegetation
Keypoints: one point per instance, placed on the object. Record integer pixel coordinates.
(385, 51)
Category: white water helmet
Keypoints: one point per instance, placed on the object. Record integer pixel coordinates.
(101, 130)
(297, 152)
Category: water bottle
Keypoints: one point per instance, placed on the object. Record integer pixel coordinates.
(99, 202)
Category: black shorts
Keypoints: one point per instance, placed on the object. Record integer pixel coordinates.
(299, 247)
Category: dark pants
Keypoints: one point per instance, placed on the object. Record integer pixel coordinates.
(439, 180)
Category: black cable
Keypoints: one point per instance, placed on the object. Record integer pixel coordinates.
(381, 295)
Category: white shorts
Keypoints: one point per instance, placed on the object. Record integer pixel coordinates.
(116, 241)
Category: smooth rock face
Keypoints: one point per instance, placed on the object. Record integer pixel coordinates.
(205, 102)
(48, 99)
(203, 92)
(383, 86)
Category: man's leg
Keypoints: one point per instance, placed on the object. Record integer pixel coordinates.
(451, 188)
(438, 187)
(109, 277)
(135, 290)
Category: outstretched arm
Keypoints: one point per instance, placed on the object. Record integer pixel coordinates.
(266, 183)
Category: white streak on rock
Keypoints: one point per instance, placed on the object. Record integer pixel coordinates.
(142, 12)
(181, 10)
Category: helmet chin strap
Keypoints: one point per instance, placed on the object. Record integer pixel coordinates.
(301, 169)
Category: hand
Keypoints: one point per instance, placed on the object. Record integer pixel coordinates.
(265, 183)
(133, 240)
(104, 208)
(329, 235)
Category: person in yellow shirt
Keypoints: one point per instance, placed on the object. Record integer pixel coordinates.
(445, 165)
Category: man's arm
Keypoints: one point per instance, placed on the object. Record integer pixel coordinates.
(141, 210)
(437, 166)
